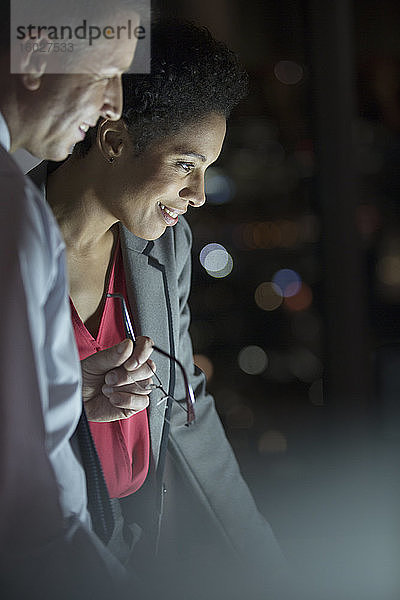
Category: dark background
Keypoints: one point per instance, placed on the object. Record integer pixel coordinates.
(307, 378)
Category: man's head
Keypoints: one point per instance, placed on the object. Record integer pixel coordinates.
(47, 113)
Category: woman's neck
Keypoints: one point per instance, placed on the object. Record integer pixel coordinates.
(84, 222)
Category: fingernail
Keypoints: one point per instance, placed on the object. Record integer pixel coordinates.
(145, 387)
(111, 378)
(133, 363)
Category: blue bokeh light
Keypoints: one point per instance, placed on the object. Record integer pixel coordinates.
(287, 281)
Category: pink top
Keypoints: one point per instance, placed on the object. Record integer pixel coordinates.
(123, 446)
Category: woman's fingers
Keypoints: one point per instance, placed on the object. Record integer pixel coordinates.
(121, 376)
(129, 401)
(141, 353)
(127, 385)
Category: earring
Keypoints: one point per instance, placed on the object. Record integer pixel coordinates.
(111, 159)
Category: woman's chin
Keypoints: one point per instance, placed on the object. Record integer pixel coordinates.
(149, 236)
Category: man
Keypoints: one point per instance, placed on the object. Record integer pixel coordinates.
(46, 545)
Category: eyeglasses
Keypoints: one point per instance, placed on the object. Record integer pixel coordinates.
(190, 400)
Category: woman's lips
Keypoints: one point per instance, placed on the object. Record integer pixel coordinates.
(169, 215)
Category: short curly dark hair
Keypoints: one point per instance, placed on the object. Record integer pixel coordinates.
(192, 75)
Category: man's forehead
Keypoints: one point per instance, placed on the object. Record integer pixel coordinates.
(111, 57)
(76, 37)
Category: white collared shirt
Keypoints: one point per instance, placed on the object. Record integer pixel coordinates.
(5, 139)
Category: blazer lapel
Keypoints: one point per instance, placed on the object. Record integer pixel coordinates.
(148, 295)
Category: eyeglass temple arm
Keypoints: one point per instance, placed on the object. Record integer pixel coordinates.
(127, 321)
(190, 399)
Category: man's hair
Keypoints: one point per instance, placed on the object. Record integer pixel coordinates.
(191, 76)
(71, 13)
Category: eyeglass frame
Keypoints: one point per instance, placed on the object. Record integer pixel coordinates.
(189, 395)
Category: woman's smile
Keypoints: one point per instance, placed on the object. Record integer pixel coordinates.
(170, 215)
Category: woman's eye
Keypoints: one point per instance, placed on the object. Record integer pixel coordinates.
(185, 166)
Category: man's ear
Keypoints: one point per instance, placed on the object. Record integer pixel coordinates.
(111, 138)
(34, 63)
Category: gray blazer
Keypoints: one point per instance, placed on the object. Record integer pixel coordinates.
(158, 277)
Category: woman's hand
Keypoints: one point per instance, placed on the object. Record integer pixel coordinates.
(115, 382)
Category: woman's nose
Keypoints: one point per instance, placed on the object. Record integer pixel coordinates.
(194, 193)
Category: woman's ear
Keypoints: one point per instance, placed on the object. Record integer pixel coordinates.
(111, 139)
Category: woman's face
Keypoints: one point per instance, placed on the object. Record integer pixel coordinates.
(151, 190)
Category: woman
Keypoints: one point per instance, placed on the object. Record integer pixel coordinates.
(120, 201)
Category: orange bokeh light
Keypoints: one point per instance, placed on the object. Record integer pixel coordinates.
(301, 301)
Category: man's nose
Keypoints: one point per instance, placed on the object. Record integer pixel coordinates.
(112, 107)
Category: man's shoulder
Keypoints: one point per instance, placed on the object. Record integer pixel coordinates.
(24, 204)
(10, 172)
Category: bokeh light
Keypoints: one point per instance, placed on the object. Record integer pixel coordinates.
(289, 231)
(288, 281)
(280, 233)
(266, 235)
(220, 188)
(268, 296)
(216, 260)
(300, 301)
(225, 271)
(208, 249)
(272, 442)
(388, 270)
(288, 72)
(253, 360)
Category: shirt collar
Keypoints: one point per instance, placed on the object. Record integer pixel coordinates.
(5, 139)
